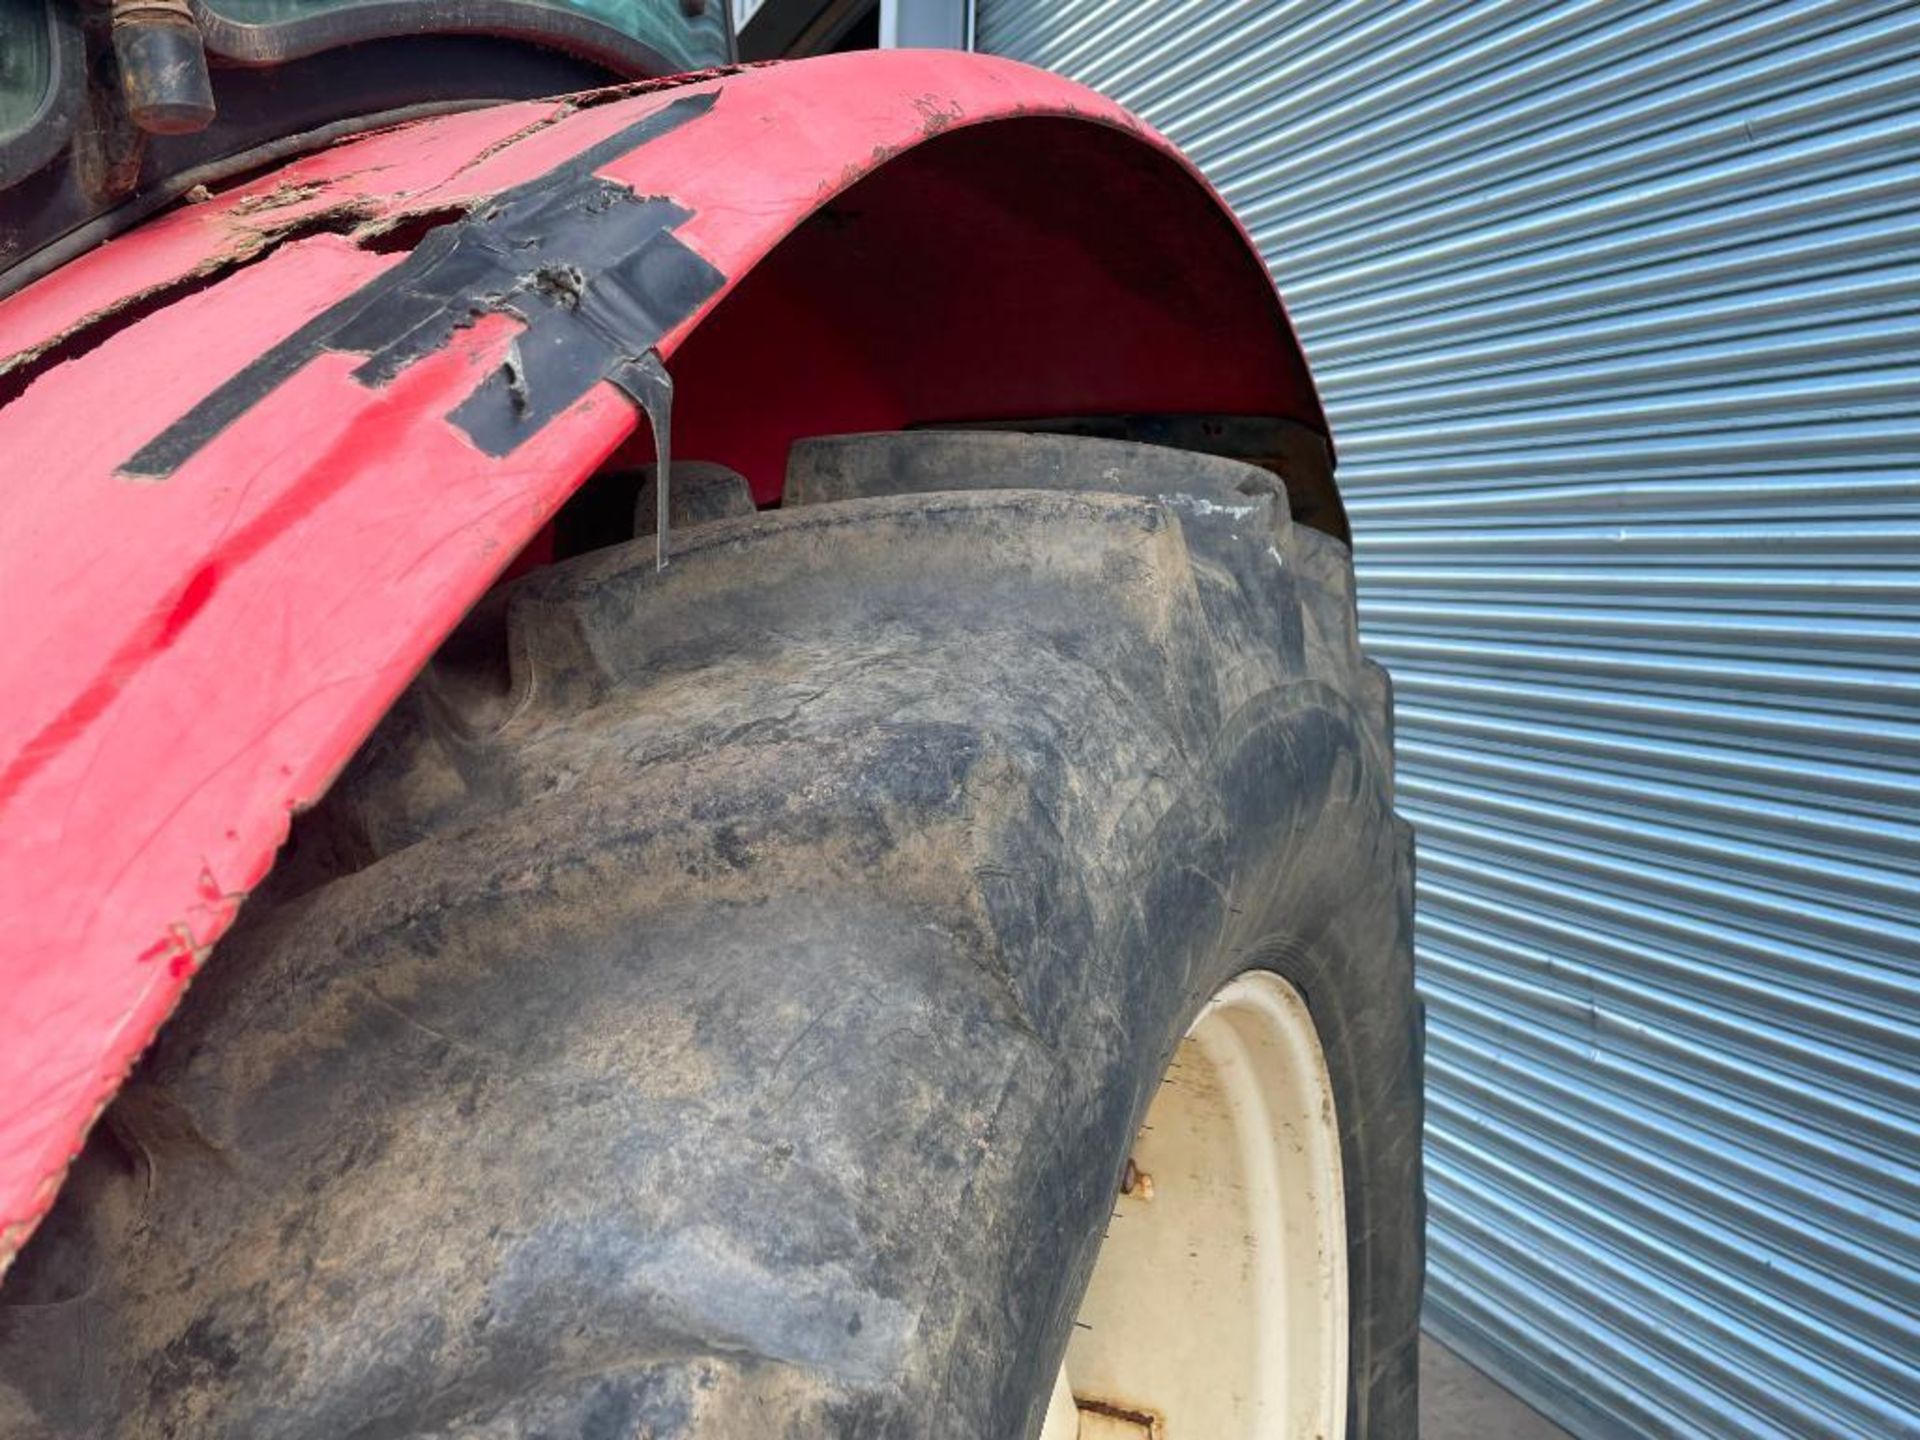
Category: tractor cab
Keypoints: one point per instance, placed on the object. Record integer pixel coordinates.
(109, 111)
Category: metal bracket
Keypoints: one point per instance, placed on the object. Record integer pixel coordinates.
(926, 24)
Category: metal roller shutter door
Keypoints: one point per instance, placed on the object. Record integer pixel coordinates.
(1616, 308)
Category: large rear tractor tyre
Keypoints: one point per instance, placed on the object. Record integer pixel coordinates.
(735, 1002)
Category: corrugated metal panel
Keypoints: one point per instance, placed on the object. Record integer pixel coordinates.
(1617, 311)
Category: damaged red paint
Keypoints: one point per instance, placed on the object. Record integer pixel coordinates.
(195, 653)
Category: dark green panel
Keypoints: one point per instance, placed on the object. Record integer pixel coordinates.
(26, 64)
(283, 28)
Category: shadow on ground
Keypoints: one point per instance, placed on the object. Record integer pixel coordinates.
(1457, 1402)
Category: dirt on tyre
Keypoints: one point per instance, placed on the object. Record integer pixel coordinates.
(725, 1002)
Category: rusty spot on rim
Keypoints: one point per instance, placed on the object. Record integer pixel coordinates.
(1149, 1423)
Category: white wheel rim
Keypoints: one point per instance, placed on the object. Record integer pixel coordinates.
(1218, 1306)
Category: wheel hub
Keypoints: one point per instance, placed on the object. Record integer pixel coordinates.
(1218, 1306)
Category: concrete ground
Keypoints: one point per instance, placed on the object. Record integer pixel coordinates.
(1457, 1402)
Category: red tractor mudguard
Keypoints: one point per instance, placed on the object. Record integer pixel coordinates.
(262, 453)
